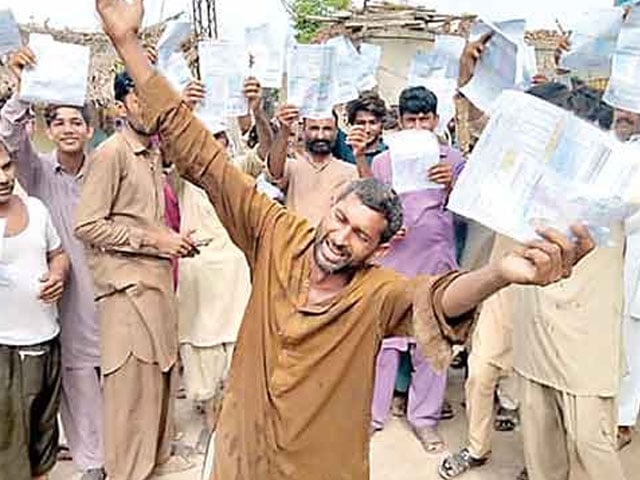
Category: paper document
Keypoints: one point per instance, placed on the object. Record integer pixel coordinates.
(61, 74)
(593, 42)
(171, 61)
(176, 69)
(413, 152)
(348, 70)
(222, 69)
(623, 90)
(10, 38)
(266, 51)
(311, 73)
(538, 165)
(370, 56)
(495, 72)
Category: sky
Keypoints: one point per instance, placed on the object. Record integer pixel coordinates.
(235, 14)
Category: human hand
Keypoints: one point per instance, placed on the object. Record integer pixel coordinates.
(441, 173)
(175, 245)
(152, 54)
(194, 93)
(357, 140)
(287, 116)
(52, 288)
(546, 261)
(253, 93)
(121, 19)
(470, 56)
(19, 60)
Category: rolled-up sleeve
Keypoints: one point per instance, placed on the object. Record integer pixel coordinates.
(418, 313)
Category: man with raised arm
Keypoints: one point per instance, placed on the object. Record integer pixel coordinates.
(300, 387)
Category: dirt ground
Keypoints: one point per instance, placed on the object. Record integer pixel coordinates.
(397, 455)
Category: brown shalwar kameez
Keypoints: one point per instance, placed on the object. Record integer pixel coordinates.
(299, 396)
(122, 198)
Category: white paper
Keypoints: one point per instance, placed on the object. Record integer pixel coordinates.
(10, 38)
(310, 80)
(61, 74)
(175, 34)
(593, 42)
(222, 69)
(266, 50)
(413, 152)
(348, 70)
(176, 69)
(370, 56)
(431, 71)
(623, 90)
(495, 72)
(536, 164)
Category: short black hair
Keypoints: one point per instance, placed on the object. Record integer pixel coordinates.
(418, 100)
(51, 113)
(380, 197)
(367, 102)
(123, 85)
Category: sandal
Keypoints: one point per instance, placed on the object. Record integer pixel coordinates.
(447, 411)
(455, 465)
(430, 439)
(625, 436)
(506, 420)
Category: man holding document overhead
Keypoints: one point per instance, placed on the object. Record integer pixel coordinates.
(319, 307)
(56, 179)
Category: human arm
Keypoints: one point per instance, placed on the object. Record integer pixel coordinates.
(53, 282)
(357, 140)
(197, 155)
(95, 225)
(286, 115)
(540, 262)
(14, 117)
(253, 94)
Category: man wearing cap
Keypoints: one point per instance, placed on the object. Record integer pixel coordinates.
(120, 221)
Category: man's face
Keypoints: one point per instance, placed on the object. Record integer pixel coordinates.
(320, 136)
(349, 236)
(132, 108)
(69, 130)
(372, 126)
(7, 176)
(625, 124)
(419, 121)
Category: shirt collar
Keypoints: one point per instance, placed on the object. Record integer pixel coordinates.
(58, 168)
(133, 140)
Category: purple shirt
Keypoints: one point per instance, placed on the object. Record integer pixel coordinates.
(429, 245)
(44, 178)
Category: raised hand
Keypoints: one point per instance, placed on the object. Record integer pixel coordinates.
(287, 116)
(19, 60)
(470, 56)
(121, 19)
(357, 140)
(194, 93)
(253, 93)
(546, 261)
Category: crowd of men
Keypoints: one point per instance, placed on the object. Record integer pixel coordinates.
(271, 269)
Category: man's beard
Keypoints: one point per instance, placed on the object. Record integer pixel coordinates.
(320, 147)
(344, 266)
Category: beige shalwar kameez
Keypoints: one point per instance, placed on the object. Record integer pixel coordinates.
(122, 198)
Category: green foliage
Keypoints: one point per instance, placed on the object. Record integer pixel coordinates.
(303, 9)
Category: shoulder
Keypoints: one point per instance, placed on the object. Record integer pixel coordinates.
(346, 167)
(110, 149)
(34, 204)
